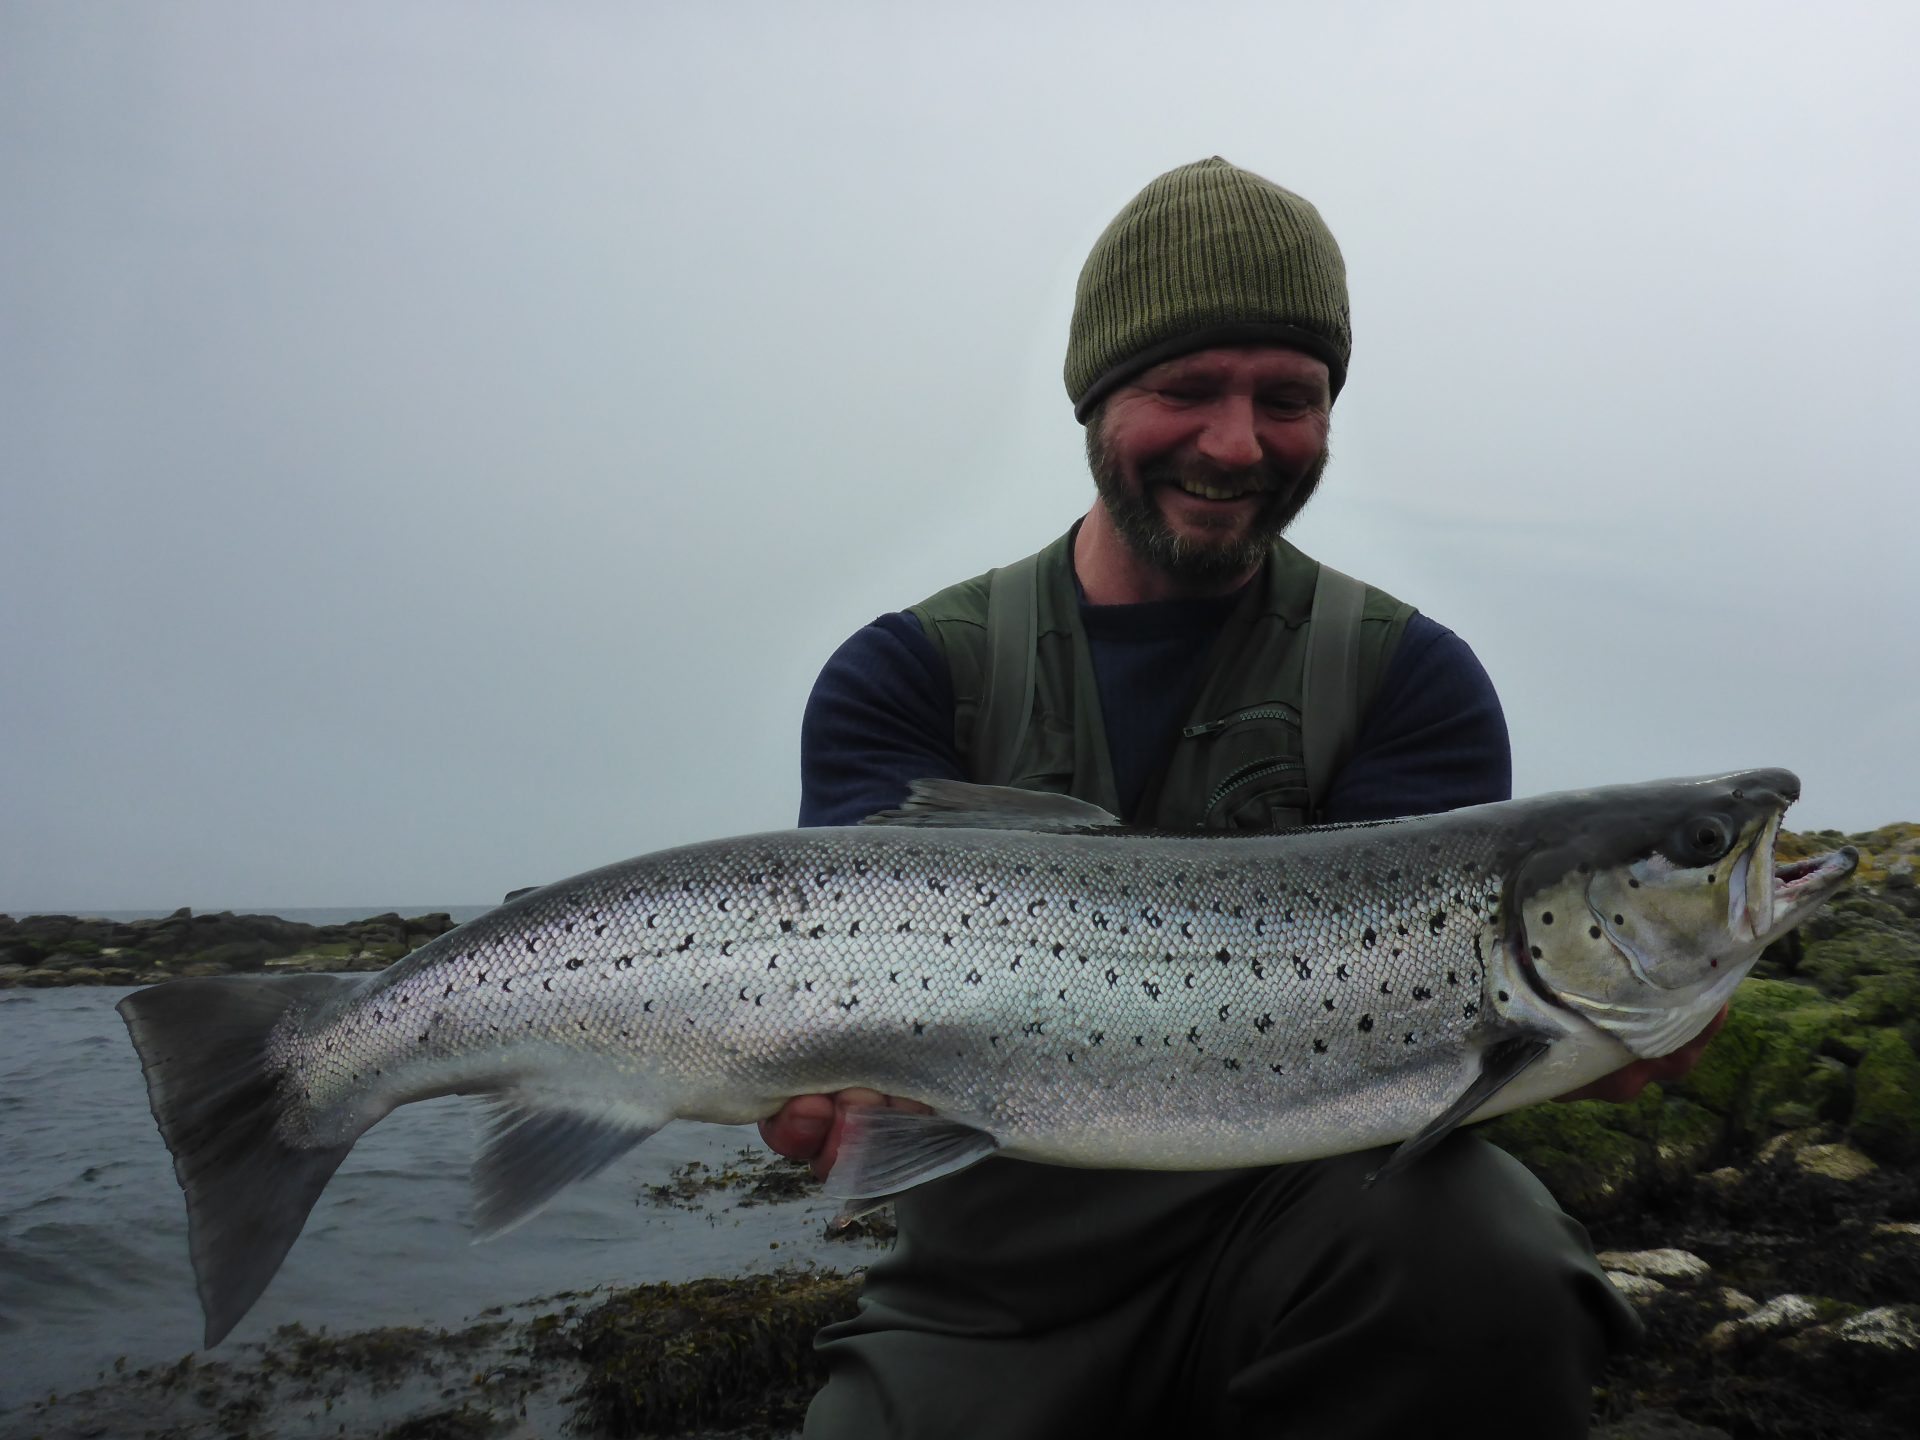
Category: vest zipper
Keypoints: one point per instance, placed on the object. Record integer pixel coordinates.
(1245, 774)
(1251, 712)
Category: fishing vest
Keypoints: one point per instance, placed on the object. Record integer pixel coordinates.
(1005, 1247)
(1285, 684)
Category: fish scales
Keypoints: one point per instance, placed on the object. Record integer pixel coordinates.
(1054, 987)
(1063, 994)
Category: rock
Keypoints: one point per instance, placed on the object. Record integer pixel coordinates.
(1656, 1424)
(1834, 1162)
(1782, 1314)
(1674, 1267)
(1894, 1328)
(1638, 1288)
(1886, 1116)
(1786, 1145)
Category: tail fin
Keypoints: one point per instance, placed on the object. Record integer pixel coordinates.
(203, 1045)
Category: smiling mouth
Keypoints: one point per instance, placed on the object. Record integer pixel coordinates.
(1217, 492)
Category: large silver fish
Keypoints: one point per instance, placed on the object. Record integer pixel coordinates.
(1058, 989)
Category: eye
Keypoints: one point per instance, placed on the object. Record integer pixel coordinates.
(1699, 841)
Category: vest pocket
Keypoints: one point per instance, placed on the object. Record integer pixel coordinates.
(1255, 774)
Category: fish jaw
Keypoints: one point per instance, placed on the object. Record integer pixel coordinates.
(1798, 889)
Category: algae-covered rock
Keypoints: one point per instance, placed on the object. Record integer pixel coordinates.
(666, 1358)
(1886, 1115)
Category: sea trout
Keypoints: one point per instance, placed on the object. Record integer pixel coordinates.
(1058, 988)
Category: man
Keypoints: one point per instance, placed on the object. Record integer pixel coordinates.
(1160, 654)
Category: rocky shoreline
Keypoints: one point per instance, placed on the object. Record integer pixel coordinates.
(52, 950)
(1763, 1213)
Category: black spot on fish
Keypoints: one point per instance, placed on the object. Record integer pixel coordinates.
(506, 986)
(575, 963)
(973, 977)
(1231, 1064)
(1619, 919)
(919, 1027)
(647, 1007)
(1534, 950)
(773, 963)
(1386, 987)
(1153, 990)
(1437, 921)
(1264, 1023)
(1409, 1038)
(1366, 1023)
(808, 985)
(1189, 980)
(1368, 938)
(547, 985)
(1113, 977)
(1319, 1047)
(1593, 932)
(786, 926)
(1503, 997)
(1139, 1040)
(1632, 883)
(1328, 1002)
(1342, 972)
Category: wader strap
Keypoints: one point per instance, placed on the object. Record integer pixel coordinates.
(1006, 701)
(1330, 699)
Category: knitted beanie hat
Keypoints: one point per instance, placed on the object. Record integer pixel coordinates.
(1208, 254)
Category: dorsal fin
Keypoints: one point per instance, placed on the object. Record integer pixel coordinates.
(957, 804)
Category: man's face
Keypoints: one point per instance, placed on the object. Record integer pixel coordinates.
(1204, 459)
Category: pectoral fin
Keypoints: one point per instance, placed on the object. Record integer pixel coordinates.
(883, 1152)
(1499, 1063)
(538, 1145)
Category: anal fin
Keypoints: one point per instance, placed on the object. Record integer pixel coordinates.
(1500, 1063)
(883, 1152)
(537, 1145)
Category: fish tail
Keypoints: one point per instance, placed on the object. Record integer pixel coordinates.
(219, 1101)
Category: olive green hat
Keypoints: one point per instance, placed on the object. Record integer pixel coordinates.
(1208, 254)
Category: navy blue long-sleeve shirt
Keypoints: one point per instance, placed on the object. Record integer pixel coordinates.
(881, 716)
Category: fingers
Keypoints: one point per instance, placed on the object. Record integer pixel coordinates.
(1627, 1082)
(809, 1127)
(799, 1128)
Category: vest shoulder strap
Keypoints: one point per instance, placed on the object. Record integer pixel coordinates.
(1006, 704)
(1330, 691)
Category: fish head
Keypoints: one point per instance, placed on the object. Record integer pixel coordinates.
(1644, 912)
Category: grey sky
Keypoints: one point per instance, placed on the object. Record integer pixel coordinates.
(439, 443)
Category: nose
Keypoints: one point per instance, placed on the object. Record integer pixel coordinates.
(1228, 438)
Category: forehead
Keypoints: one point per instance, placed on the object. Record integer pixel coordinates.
(1255, 364)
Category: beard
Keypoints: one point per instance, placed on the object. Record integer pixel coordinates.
(1198, 559)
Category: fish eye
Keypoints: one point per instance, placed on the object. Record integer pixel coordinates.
(1699, 840)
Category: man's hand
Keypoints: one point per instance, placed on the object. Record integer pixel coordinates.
(808, 1127)
(1628, 1081)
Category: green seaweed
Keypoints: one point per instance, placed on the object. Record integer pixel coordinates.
(667, 1358)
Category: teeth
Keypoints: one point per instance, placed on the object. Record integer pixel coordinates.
(1209, 492)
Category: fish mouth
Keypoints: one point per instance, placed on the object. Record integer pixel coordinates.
(1800, 886)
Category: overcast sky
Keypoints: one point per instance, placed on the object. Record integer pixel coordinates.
(439, 443)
